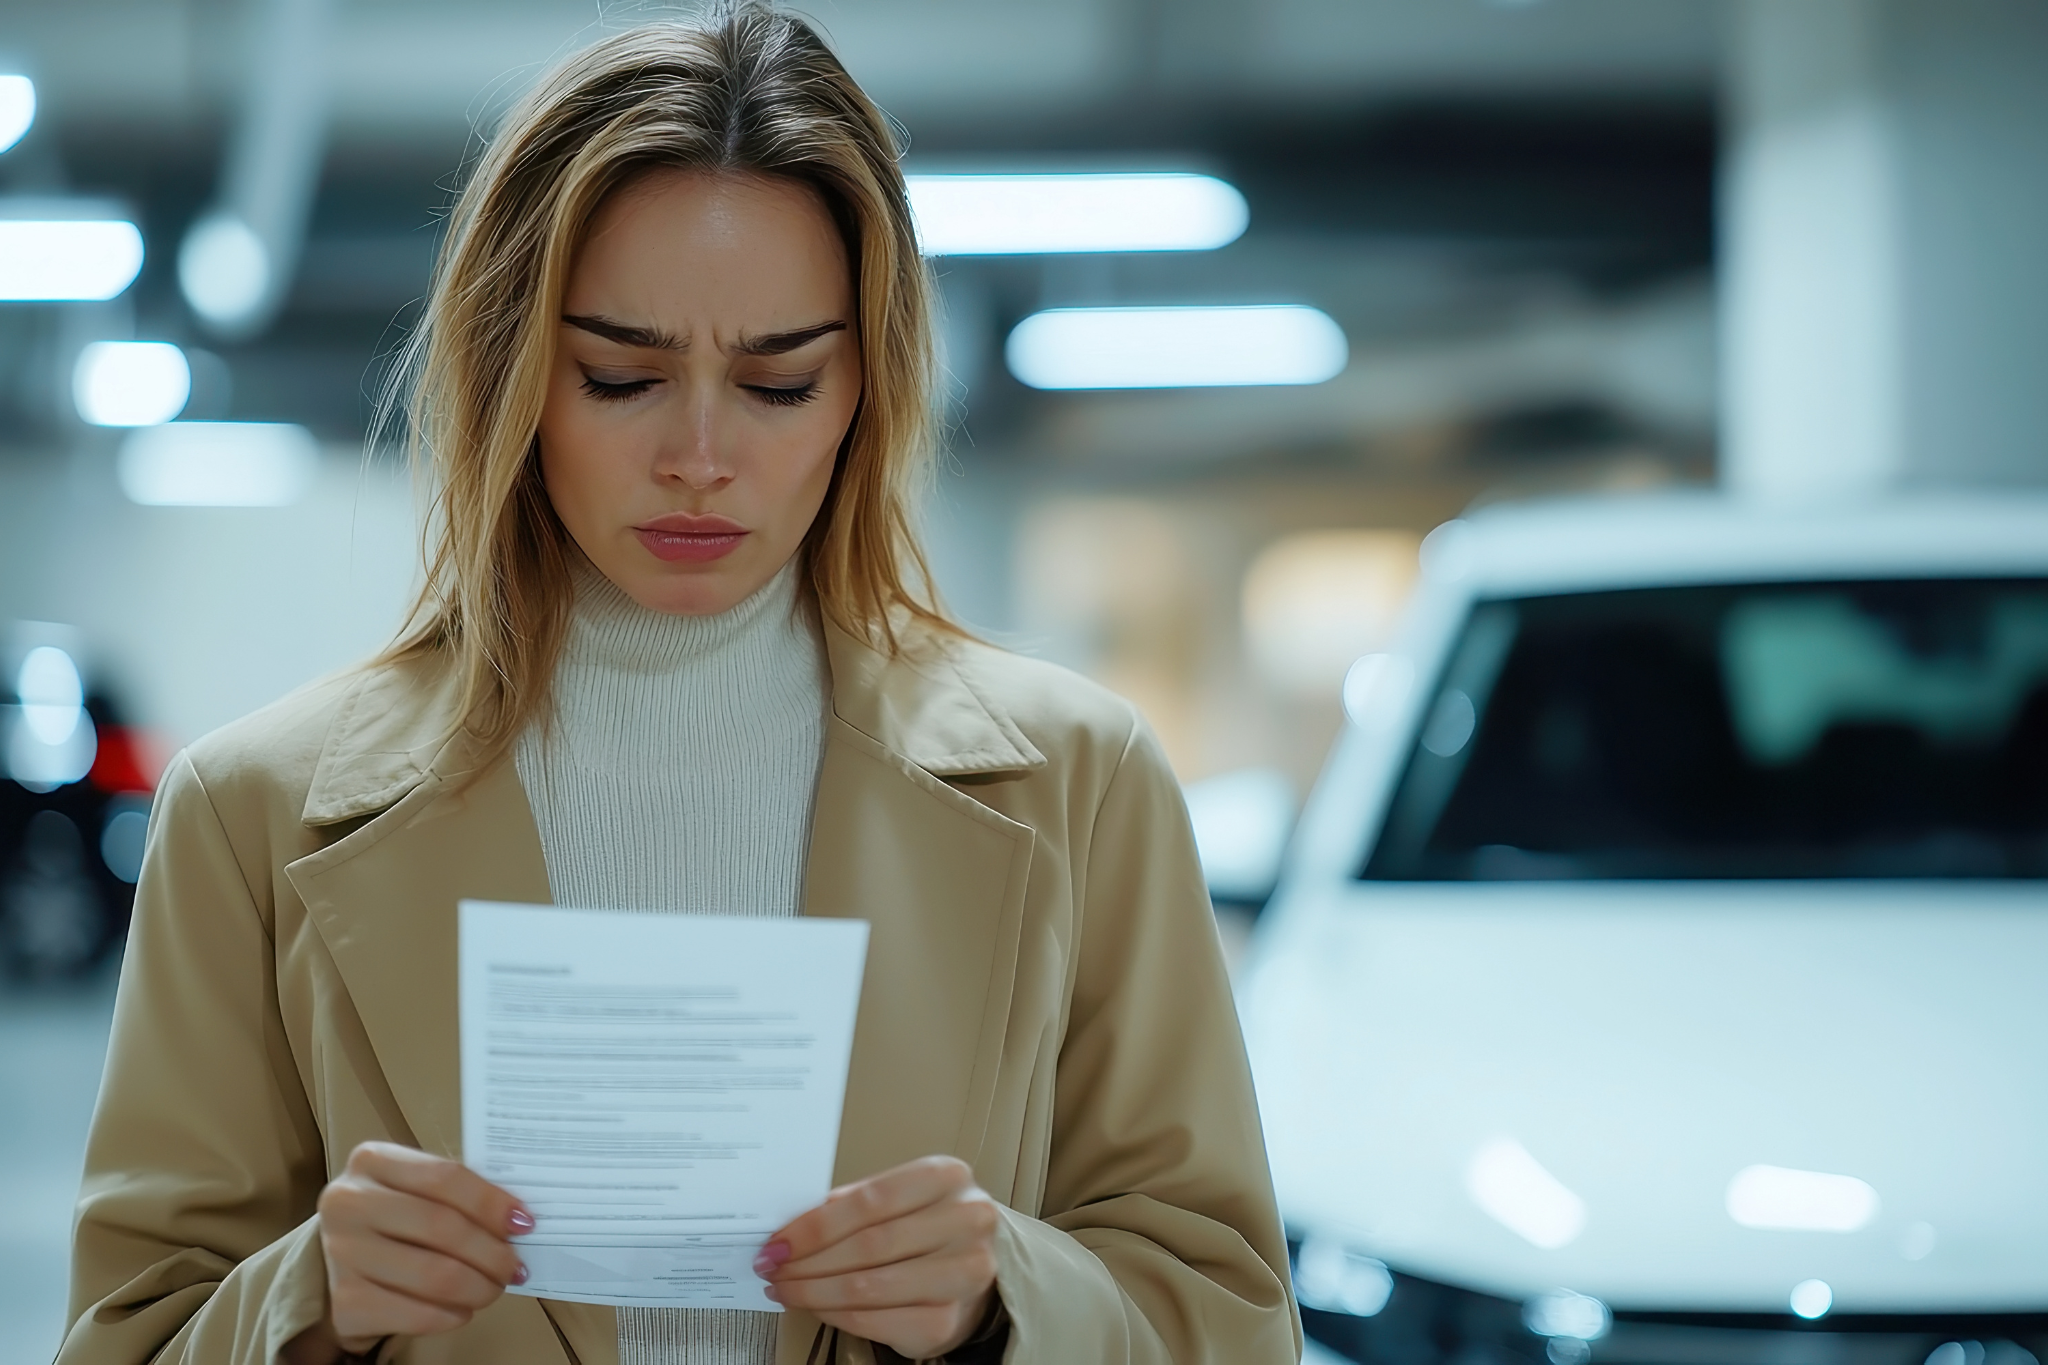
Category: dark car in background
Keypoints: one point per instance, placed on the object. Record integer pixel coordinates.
(75, 787)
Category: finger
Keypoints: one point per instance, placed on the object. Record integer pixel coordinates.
(877, 1199)
(928, 1281)
(418, 1273)
(364, 1313)
(444, 1181)
(950, 1223)
(380, 1212)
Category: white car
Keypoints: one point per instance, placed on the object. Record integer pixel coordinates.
(1666, 940)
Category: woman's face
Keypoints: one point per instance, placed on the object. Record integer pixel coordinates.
(706, 370)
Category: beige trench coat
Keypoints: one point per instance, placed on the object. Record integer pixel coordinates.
(1044, 998)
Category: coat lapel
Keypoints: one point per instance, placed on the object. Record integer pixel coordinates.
(940, 880)
(384, 901)
(939, 877)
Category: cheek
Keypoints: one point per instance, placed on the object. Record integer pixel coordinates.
(573, 466)
(808, 468)
(825, 435)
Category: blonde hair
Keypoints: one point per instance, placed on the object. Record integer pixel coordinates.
(744, 91)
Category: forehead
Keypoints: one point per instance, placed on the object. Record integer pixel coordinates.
(686, 246)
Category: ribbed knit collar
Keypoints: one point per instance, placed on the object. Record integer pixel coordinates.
(609, 630)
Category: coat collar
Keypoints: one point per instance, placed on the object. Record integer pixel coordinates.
(924, 703)
(927, 704)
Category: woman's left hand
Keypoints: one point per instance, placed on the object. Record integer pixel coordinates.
(906, 1258)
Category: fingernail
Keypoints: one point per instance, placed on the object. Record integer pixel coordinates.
(772, 1294)
(775, 1253)
(520, 1277)
(521, 1221)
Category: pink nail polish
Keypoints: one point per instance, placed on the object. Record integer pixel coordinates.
(520, 1277)
(772, 1294)
(775, 1253)
(520, 1221)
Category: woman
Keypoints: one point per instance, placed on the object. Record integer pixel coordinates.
(675, 381)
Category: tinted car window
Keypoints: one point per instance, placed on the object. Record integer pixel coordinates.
(1867, 729)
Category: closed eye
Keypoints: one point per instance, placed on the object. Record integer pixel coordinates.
(616, 393)
(783, 396)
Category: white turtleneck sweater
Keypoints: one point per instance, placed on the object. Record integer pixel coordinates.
(678, 777)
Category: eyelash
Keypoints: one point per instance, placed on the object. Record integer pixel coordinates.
(615, 393)
(790, 397)
(783, 397)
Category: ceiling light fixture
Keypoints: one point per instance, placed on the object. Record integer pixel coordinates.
(1782, 1199)
(51, 253)
(1173, 348)
(224, 270)
(17, 108)
(130, 383)
(1012, 215)
(217, 464)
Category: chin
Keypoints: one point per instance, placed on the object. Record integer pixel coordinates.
(700, 590)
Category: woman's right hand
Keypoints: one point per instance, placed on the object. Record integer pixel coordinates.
(415, 1244)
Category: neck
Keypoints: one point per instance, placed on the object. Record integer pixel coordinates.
(609, 629)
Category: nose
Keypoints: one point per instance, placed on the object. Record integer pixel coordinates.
(696, 450)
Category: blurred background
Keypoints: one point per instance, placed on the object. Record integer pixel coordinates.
(1439, 255)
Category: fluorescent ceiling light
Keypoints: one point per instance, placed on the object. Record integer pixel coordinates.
(49, 259)
(17, 108)
(217, 464)
(130, 383)
(1800, 1201)
(1172, 348)
(1513, 1189)
(223, 270)
(1009, 215)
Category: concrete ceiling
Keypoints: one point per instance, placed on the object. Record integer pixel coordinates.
(406, 69)
(1431, 172)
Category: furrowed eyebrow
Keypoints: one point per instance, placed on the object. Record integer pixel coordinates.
(780, 343)
(651, 338)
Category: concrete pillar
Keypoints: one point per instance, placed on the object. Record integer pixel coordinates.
(1885, 283)
(1972, 90)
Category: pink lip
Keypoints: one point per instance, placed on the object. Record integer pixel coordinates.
(682, 538)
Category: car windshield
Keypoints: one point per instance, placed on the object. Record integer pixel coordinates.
(1855, 729)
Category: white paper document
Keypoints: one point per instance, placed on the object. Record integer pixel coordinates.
(661, 1091)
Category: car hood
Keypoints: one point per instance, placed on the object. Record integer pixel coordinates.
(1644, 1043)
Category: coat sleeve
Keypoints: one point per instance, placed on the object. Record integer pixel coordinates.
(1159, 1239)
(196, 1239)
